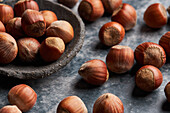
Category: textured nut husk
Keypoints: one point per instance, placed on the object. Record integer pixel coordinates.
(62, 29)
(149, 53)
(23, 5)
(91, 10)
(155, 16)
(94, 72)
(120, 59)
(108, 103)
(28, 49)
(111, 33)
(148, 78)
(23, 96)
(6, 14)
(167, 91)
(10, 109)
(51, 49)
(2, 27)
(71, 104)
(14, 28)
(8, 48)
(168, 9)
(33, 23)
(68, 3)
(49, 17)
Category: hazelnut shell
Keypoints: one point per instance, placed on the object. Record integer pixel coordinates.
(167, 91)
(10, 109)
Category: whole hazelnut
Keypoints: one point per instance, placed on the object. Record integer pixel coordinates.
(149, 53)
(148, 78)
(10, 109)
(28, 49)
(108, 103)
(127, 16)
(94, 72)
(62, 29)
(49, 17)
(33, 23)
(2, 27)
(23, 5)
(91, 10)
(111, 33)
(23, 96)
(8, 48)
(6, 14)
(51, 49)
(68, 3)
(167, 91)
(120, 59)
(72, 104)
(14, 28)
(155, 16)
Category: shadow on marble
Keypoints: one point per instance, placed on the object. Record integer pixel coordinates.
(145, 29)
(101, 46)
(139, 93)
(134, 69)
(166, 106)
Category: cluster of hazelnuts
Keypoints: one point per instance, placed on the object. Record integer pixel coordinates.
(25, 32)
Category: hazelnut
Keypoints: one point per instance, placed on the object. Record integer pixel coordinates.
(23, 5)
(6, 14)
(72, 104)
(148, 78)
(2, 27)
(62, 29)
(10, 109)
(23, 96)
(108, 103)
(167, 91)
(120, 59)
(51, 49)
(49, 17)
(168, 9)
(155, 16)
(150, 53)
(33, 23)
(28, 49)
(91, 10)
(111, 33)
(94, 72)
(127, 16)
(8, 48)
(14, 28)
(68, 3)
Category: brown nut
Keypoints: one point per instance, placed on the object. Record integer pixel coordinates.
(94, 72)
(68, 3)
(149, 53)
(155, 16)
(148, 78)
(111, 33)
(120, 59)
(71, 104)
(91, 10)
(51, 49)
(167, 91)
(62, 29)
(10, 109)
(23, 96)
(127, 16)
(33, 23)
(49, 17)
(23, 5)
(2, 27)
(108, 103)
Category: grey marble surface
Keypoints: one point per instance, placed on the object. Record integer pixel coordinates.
(66, 82)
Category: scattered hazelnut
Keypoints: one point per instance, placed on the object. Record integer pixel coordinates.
(23, 96)
(168, 9)
(14, 28)
(23, 5)
(111, 33)
(6, 14)
(62, 29)
(127, 16)
(33, 23)
(91, 10)
(68, 3)
(155, 16)
(72, 104)
(2, 27)
(148, 78)
(120, 59)
(49, 17)
(28, 49)
(52, 48)
(108, 103)
(150, 53)
(10, 109)
(94, 72)
(167, 91)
